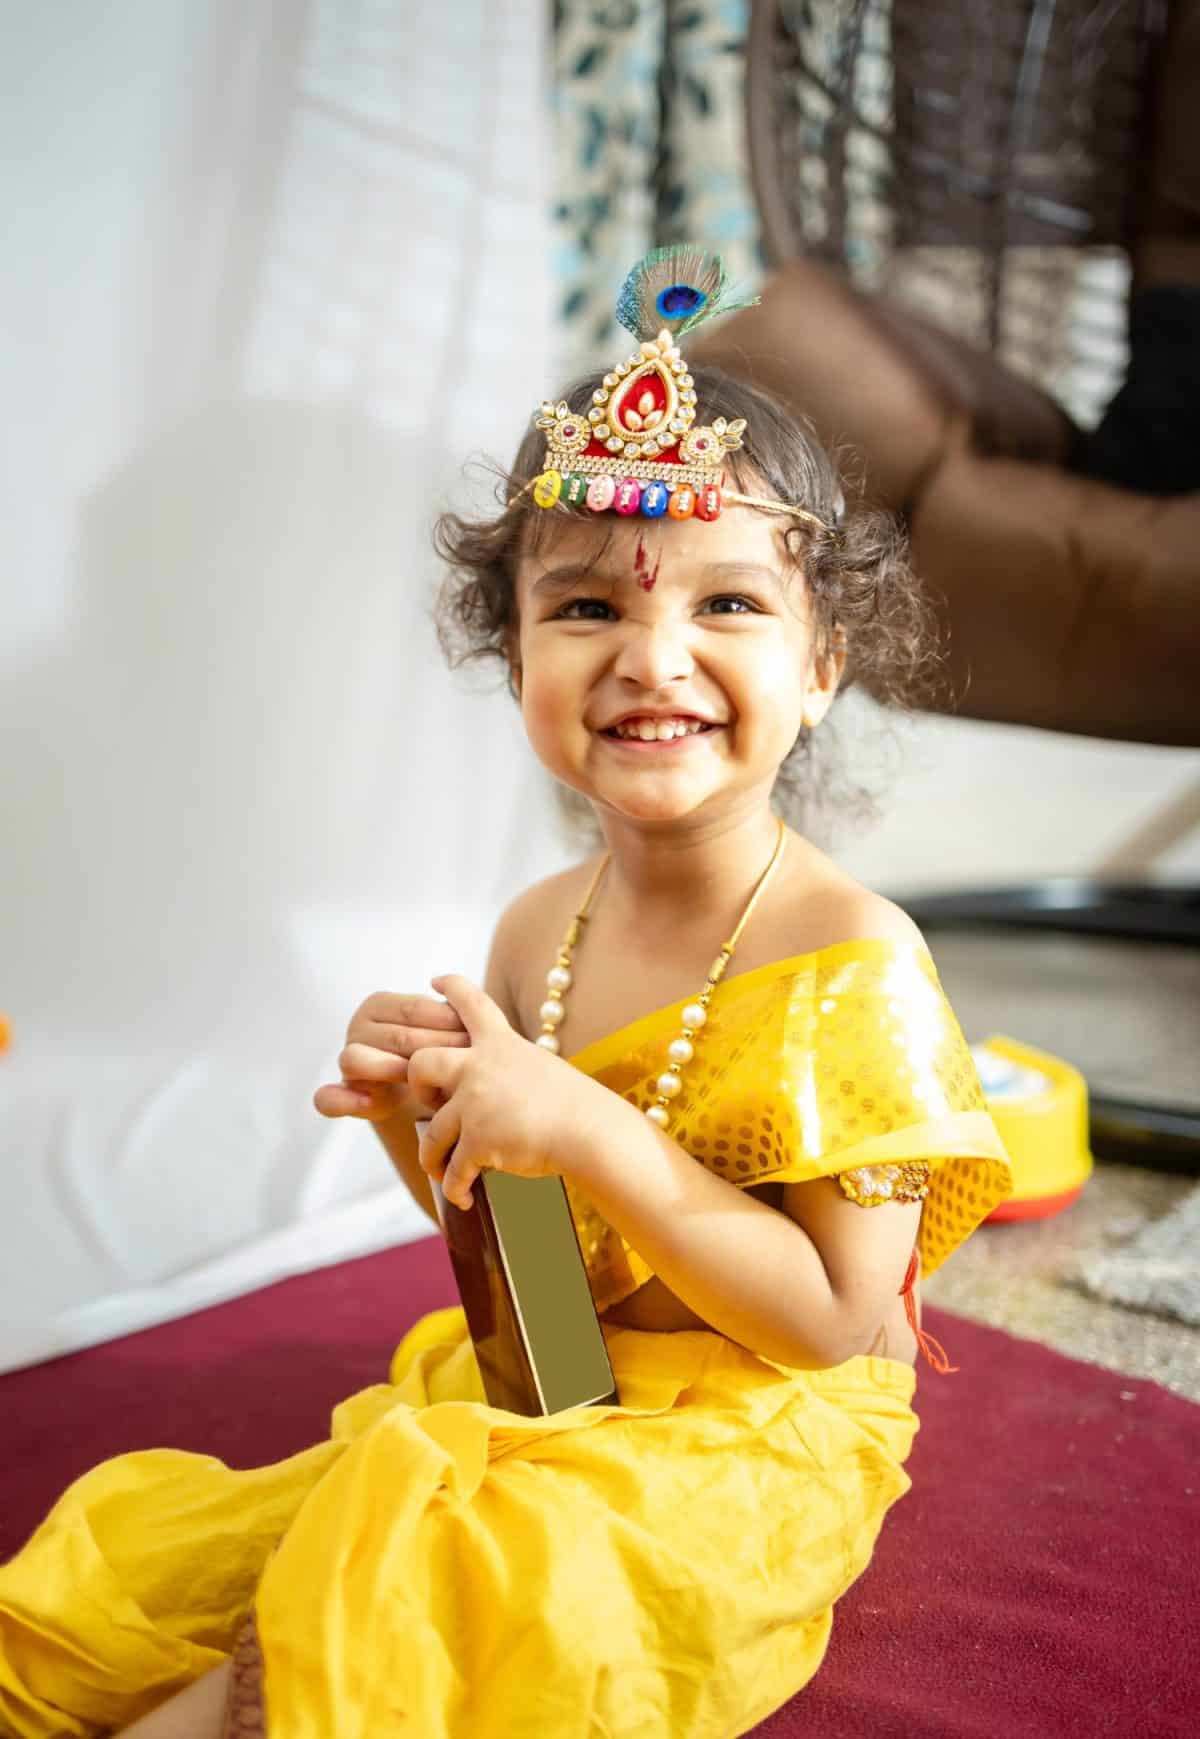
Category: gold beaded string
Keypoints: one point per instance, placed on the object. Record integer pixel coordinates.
(681, 1050)
(558, 979)
(695, 1015)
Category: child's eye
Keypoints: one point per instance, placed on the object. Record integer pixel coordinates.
(579, 610)
(736, 605)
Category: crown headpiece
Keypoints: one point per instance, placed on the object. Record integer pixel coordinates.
(639, 448)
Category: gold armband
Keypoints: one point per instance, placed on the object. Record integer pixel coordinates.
(872, 1185)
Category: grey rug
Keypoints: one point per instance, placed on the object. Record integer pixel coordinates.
(1158, 1270)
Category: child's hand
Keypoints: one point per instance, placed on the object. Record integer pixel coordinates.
(383, 1034)
(499, 1104)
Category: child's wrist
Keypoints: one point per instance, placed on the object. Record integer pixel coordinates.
(600, 1140)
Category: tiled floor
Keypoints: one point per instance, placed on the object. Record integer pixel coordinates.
(1016, 1275)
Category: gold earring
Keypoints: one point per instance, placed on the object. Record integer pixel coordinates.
(809, 718)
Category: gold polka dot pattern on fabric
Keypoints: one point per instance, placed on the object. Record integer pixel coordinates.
(838, 1059)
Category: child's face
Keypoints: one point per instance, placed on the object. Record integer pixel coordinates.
(624, 621)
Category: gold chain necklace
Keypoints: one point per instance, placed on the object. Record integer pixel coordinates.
(680, 1050)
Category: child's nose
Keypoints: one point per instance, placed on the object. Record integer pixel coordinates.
(654, 655)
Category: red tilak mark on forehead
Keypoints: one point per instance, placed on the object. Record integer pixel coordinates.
(646, 575)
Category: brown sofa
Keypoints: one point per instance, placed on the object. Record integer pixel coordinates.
(1065, 603)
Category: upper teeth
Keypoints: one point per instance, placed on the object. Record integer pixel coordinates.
(662, 730)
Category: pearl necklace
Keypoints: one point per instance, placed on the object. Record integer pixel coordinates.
(695, 1014)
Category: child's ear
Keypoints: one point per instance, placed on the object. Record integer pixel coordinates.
(823, 679)
(835, 659)
(512, 652)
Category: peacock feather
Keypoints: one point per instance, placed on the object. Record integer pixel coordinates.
(675, 288)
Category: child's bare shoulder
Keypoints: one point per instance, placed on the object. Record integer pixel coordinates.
(857, 914)
(830, 906)
(538, 917)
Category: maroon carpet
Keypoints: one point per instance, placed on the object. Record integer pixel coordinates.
(1040, 1581)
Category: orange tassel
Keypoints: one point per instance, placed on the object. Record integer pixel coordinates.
(937, 1358)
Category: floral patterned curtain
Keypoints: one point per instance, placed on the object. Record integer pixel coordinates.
(649, 149)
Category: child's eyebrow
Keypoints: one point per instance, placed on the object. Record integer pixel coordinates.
(729, 571)
(561, 579)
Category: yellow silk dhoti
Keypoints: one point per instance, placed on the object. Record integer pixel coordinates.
(439, 1567)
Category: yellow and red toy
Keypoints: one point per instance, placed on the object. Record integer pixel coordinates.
(1040, 1106)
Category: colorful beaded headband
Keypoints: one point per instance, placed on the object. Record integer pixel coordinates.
(639, 449)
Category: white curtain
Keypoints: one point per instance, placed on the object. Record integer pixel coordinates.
(272, 269)
(275, 270)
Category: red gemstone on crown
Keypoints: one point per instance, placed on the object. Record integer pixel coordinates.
(645, 395)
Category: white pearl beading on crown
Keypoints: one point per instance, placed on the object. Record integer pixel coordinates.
(694, 1014)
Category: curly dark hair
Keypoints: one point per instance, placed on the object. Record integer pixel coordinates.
(858, 579)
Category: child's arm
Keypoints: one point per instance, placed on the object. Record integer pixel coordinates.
(808, 1288)
(399, 1138)
(756, 1275)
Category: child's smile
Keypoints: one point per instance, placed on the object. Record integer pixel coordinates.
(647, 731)
(664, 668)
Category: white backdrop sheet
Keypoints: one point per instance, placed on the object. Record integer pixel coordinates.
(279, 269)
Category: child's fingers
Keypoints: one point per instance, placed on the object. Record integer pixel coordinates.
(439, 1135)
(391, 1008)
(404, 1040)
(434, 1075)
(457, 1179)
(354, 1099)
(359, 1062)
